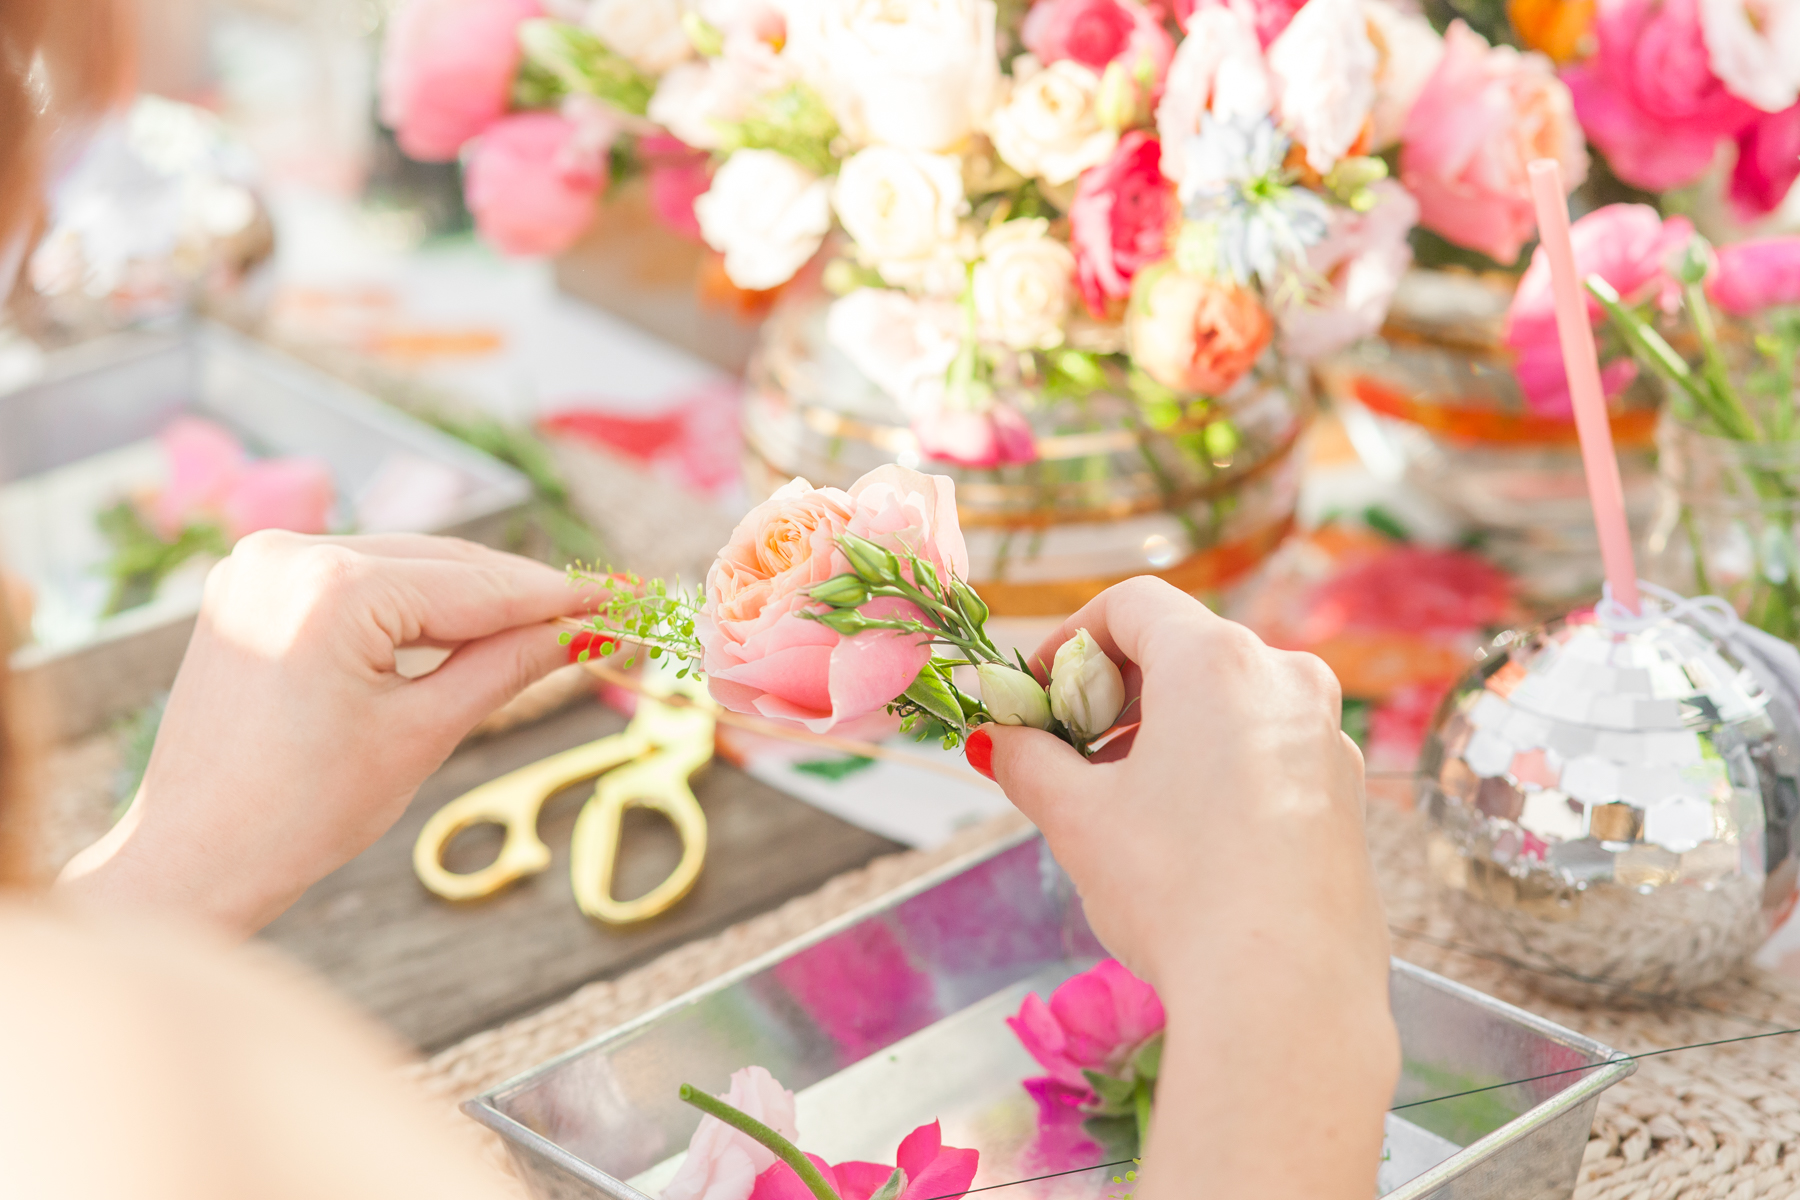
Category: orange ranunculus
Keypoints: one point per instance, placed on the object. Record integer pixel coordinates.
(1192, 333)
(1559, 28)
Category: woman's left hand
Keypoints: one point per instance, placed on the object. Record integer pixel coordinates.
(290, 741)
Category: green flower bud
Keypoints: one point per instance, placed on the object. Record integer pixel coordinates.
(1087, 693)
(1012, 697)
(841, 591)
(846, 621)
(1696, 260)
(874, 564)
(1117, 104)
(972, 605)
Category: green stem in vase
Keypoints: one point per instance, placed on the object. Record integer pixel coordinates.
(1648, 347)
(744, 1123)
(1718, 376)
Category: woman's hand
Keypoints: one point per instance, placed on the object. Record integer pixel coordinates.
(1220, 854)
(290, 742)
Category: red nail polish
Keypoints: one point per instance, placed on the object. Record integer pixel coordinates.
(979, 751)
(590, 642)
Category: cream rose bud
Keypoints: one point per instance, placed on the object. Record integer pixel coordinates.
(1050, 124)
(902, 208)
(647, 32)
(1012, 697)
(1087, 693)
(766, 214)
(1023, 286)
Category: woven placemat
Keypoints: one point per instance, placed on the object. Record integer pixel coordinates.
(1717, 1122)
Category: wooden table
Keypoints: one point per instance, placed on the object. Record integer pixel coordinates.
(437, 972)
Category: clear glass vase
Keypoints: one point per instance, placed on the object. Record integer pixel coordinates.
(1200, 501)
(1727, 520)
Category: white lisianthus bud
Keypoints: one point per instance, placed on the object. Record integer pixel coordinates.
(1087, 693)
(1012, 697)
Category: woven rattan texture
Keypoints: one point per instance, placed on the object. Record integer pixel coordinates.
(1721, 1122)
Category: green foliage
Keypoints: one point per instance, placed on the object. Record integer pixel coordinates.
(141, 559)
(637, 612)
(794, 121)
(580, 62)
(835, 769)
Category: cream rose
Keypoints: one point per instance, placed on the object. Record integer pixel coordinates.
(919, 75)
(648, 32)
(1049, 125)
(1407, 51)
(766, 214)
(903, 210)
(903, 344)
(1023, 286)
(1324, 69)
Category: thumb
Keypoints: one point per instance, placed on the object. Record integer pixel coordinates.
(1035, 769)
(485, 673)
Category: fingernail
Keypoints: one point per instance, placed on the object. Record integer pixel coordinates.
(588, 642)
(979, 751)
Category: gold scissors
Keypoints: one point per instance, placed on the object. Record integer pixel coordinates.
(646, 766)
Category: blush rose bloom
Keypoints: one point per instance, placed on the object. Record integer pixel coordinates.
(1023, 285)
(761, 657)
(1324, 69)
(1119, 221)
(995, 436)
(1049, 125)
(721, 1162)
(533, 183)
(903, 344)
(1649, 98)
(1629, 246)
(1485, 113)
(447, 71)
(1755, 275)
(902, 208)
(1361, 261)
(1096, 1021)
(1098, 33)
(1193, 333)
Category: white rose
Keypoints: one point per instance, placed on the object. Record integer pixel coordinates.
(1023, 286)
(919, 74)
(1324, 69)
(1408, 50)
(1087, 690)
(903, 344)
(1754, 49)
(1049, 125)
(693, 98)
(1359, 264)
(903, 208)
(766, 214)
(1218, 68)
(648, 32)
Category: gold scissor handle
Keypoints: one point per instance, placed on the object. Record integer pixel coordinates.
(512, 802)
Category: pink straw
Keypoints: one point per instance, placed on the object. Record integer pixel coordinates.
(1582, 363)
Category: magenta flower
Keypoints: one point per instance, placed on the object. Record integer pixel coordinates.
(932, 1170)
(1120, 221)
(1755, 275)
(1768, 162)
(1097, 1021)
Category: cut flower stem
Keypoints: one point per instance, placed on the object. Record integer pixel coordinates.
(748, 1125)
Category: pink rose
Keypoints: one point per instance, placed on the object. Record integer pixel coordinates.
(997, 436)
(212, 479)
(204, 461)
(934, 1171)
(1483, 115)
(1096, 1021)
(1752, 276)
(295, 494)
(1648, 97)
(447, 71)
(533, 182)
(722, 1163)
(1627, 245)
(1768, 162)
(1269, 17)
(1120, 219)
(676, 177)
(1096, 33)
(762, 657)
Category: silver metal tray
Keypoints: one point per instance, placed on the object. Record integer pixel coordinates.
(96, 398)
(892, 1016)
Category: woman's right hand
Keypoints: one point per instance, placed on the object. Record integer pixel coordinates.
(1219, 852)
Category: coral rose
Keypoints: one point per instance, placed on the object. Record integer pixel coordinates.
(762, 657)
(533, 183)
(1192, 333)
(1483, 115)
(1755, 275)
(447, 71)
(1120, 220)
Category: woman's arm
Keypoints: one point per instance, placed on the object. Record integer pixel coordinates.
(1222, 858)
(290, 742)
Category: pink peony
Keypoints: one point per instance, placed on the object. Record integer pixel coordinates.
(279, 493)
(1096, 1021)
(447, 71)
(996, 437)
(1096, 33)
(1752, 276)
(1627, 245)
(204, 461)
(1269, 17)
(212, 480)
(1648, 97)
(1768, 162)
(532, 183)
(1483, 115)
(721, 1162)
(762, 657)
(1120, 220)
(934, 1171)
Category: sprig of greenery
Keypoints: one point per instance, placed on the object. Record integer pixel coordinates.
(580, 62)
(634, 612)
(794, 120)
(141, 559)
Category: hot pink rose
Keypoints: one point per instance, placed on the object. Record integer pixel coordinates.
(677, 175)
(1095, 1021)
(1120, 219)
(762, 657)
(721, 1162)
(447, 71)
(1627, 245)
(1096, 33)
(1768, 162)
(533, 182)
(1270, 17)
(1648, 97)
(1483, 115)
(995, 437)
(1752, 276)
(934, 1171)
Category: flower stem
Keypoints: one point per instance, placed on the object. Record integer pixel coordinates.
(779, 1146)
(1140, 1102)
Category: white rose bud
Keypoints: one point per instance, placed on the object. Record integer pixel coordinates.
(1013, 697)
(1087, 693)
(1050, 125)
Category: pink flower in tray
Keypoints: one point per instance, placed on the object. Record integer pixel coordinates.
(533, 181)
(1096, 33)
(1120, 220)
(1755, 275)
(212, 480)
(932, 1170)
(1096, 1021)
(447, 71)
(295, 494)
(721, 1162)
(204, 461)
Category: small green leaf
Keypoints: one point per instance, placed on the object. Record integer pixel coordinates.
(931, 692)
(896, 1183)
(835, 769)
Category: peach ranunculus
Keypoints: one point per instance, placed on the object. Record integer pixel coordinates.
(1193, 333)
(1485, 113)
(762, 657)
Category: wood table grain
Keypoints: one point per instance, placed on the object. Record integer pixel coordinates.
(437, 972)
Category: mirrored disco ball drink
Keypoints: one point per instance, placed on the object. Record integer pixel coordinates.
(1614, 810)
